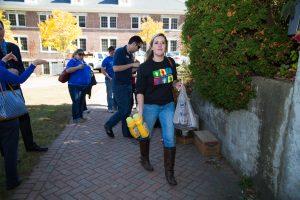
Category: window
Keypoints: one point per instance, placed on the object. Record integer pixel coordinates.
(47, 49)
(165, 23)
(81, 21)
(21, 20)
(134, 22)
(174, 23)
(104, 23)
(173, 45)
(106, 42)
(17, 19)
(43, 18)
(22, 41)
(12, 19)
(108, 22)
(46, 68)
(170, 21)
(113, 42)
(81, 43)
(113, 22)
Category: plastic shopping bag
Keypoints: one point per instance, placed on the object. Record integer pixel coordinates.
(184, 117)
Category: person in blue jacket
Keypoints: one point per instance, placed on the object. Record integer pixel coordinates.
(9, 129)
(80, 79)
(18, 68)
(107, 70)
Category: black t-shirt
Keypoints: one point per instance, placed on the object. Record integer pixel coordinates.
(155, 79)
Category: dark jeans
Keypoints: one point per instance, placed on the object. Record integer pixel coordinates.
(111, 104)
(9, 136)
(77, 94)
(123, 98)
(26, 131)
(84, 104)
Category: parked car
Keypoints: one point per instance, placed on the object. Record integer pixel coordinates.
(179, 59)
(95, 60)
(140, 56)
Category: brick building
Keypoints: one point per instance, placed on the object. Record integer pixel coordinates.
(104, 23)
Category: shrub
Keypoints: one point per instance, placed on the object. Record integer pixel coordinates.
(230, 41)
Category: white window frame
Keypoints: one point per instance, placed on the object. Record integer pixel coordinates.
(17, 18)
(170, 21)
(139, 26)
(108, 42)
(43, 13)
(78, 42)
(169, 43)
(139, 21)
(50, 68)
(81, 15)
(49, 49)
(108, 21)
(19, 42)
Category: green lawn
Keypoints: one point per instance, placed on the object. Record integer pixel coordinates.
(47, 123)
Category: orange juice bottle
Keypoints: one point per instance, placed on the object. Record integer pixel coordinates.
(141, 126)
(132, 127)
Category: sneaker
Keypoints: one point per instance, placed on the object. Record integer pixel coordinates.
(11, 187)
(37, 148)
(109, 131)
(110, 110)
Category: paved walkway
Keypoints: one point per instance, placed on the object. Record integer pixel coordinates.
(83, 163)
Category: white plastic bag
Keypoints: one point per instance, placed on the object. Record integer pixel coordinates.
(184, 116)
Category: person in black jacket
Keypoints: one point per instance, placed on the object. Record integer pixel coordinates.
(18, 68)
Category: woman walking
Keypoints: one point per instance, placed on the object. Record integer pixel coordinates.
(156, 79)
(80, 79)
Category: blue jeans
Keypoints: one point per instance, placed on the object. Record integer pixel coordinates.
(77, 93)
(111, 104)
(9, 139)
(165, 113)
(123, 98)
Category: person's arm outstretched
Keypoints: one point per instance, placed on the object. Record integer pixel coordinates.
(15, 79)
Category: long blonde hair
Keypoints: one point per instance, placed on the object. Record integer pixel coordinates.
(149, 53)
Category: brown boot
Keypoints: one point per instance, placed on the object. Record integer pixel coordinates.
(144, 149)
(169, 160)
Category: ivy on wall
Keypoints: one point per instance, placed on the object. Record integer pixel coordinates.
(232, 40)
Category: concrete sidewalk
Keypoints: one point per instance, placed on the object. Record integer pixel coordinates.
(83, 163)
